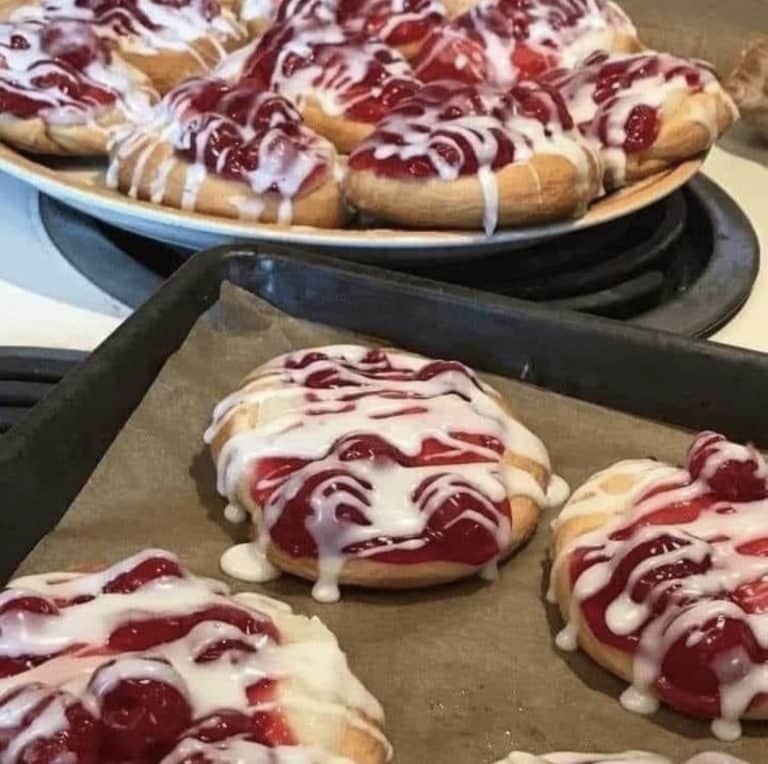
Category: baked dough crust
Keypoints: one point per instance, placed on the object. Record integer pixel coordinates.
(168, 68)
(345, 134)
(547, 187)
(365, 571)
(323, 206)
(689, 126)
(38, 136)
(620, 486)
(348, 732)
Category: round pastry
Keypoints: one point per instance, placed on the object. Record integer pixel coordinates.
(661, 575)
(144, 662)
(501, 41)
(628, 757)
(230, 150)
(341, 84)
(62, 91)
(169, 41)
(465, 156)
(376, 468)
(403, 24)
(644, 112)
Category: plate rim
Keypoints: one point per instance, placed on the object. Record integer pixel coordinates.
(77, 192)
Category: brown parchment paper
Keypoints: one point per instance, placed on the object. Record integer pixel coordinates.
(466, 672)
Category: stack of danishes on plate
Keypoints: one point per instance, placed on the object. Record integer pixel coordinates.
(460, 115)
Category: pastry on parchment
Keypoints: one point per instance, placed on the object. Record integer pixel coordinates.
(145, 662)
(374, 467)
(660, 573)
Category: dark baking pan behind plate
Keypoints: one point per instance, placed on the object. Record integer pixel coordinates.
(46, 459)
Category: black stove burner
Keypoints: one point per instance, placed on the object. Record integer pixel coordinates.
(685, 264)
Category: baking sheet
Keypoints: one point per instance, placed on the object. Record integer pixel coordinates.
(466, 672)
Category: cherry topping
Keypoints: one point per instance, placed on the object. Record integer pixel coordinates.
(141, 717)
(77, 739)
(73, 42)
(146, 633)
(146, 571)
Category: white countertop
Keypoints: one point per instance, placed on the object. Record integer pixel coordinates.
(45, 302)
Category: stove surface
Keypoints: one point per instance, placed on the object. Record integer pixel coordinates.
(46, 301)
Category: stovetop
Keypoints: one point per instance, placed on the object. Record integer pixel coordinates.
(664, 267)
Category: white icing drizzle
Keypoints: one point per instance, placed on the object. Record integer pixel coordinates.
(145, 27)
(43, 61)
(712, 576)
(288, 153)
(384, 19)
(655, 80)
(68, 642)
(324, 64)
(559, 32)
(402, 401)
(627, 757)
(466, 129)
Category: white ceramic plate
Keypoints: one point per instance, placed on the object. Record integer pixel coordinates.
(80, 184)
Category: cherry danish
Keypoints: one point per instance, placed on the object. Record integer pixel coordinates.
(233, 150)
(144, 662)
(169, 41)
(374, 467)
(501, 41)
(61, 89)
(661, 574)
(343, 84)
(463, 155)
(645, 111)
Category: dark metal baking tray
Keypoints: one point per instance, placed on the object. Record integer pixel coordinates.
(46, 459)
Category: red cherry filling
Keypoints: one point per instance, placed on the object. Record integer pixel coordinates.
(142, 717)
(429, 113)
(146, 571)
(66, 731)
(449, 535)
(364, 75)
(74, 43)
(146, 633)
(722, 649)
(244, 133)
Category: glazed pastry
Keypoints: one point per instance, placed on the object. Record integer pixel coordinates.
(143, 658)
(376, 468)
(403, 24)
(466, 156)
(501, 41)
(628, 757)
(748, 84)
(660, 573)
(170, 42)
(62, 91)
(341, 84)
(230, 150)
(644, 112)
